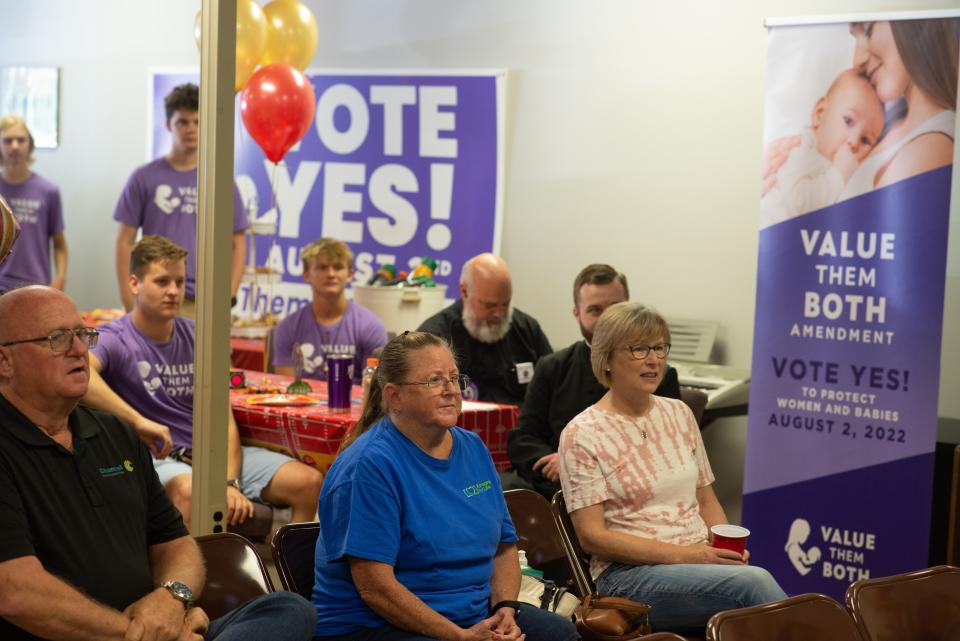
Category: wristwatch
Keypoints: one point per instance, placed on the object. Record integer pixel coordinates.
(235, 483)
(181, 592)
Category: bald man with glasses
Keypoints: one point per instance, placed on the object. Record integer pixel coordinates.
(91, 547)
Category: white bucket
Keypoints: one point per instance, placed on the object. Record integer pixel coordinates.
(401, 308)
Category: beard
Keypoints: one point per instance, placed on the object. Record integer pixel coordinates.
(587, 334)
(487, 331)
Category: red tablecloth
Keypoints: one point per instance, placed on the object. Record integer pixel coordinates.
(248, 353)
(99, 316)
(313, 433)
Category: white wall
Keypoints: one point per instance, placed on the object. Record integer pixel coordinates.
(634, 133)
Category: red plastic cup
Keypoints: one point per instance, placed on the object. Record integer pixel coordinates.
(730, 537)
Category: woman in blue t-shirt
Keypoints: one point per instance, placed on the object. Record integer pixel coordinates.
(415, 539)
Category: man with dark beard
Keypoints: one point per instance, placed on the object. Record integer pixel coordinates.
(564, 386)
(497, 346)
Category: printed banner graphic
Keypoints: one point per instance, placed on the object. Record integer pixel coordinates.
(855, 207)
(398, 166)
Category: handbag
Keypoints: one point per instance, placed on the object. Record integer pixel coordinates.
(547, 595)
(612, 618)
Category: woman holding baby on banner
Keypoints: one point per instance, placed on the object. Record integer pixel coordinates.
(912, 67)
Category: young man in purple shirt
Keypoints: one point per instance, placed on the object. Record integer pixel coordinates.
(161, 198)
(36, 203)
(141, 371)
(332, 324)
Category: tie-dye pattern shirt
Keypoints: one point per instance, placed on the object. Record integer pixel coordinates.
(645, 471)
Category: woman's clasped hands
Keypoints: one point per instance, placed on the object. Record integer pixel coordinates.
(500, 626)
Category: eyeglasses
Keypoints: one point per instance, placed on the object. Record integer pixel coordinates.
(640, 352)
(440, 382)
(62, 340)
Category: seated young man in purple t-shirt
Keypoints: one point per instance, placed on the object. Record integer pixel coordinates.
(331, 324)
(141, 371)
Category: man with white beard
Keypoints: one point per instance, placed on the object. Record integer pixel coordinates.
(496, 345)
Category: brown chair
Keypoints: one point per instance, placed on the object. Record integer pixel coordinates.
(235, 573)
(916, 606)
(578, 558)
(696, 400)
(662, 636)
(808, 617)
(540, 538)
(953, 528)
(293, 548)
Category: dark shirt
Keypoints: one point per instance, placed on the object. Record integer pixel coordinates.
(492, 367)
(89, 516)
(562, 387)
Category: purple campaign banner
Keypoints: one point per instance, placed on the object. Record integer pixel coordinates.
(844, 383)
(849, 313)
(397, 165)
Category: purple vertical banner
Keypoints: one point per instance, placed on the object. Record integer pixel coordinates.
(399, 165)
(850, 285)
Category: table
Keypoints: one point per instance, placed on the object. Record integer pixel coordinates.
(99, 316)
(312, 434)
(248, 353)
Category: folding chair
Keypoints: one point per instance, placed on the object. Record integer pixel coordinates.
(235, 573)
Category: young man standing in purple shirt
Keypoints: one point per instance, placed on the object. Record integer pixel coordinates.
(161, 198)
(36, 203)
(141, 371)
(332, 324)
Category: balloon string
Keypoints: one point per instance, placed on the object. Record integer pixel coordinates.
(276, 228)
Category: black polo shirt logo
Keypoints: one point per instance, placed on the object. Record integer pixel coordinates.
(116, 470)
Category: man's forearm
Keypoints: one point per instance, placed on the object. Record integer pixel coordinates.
(45, 606)
(239, 261)
(178, 560)
(234, 451)
(59, 260)
(100, 396)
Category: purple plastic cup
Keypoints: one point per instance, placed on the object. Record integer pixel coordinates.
(339, 382)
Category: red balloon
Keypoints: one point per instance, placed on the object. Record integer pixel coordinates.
(277, 108)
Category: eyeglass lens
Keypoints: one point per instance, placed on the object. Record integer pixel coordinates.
(62, 340)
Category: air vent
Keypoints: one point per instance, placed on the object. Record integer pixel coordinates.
(692, 340)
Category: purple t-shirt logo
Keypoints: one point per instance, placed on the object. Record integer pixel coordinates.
(149, 383)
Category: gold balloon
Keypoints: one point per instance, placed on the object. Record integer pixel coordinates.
(251, 39)
(291, 34)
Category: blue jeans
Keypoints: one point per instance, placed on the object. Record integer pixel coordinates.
(537, 624)
(685, 596)
(279, 616)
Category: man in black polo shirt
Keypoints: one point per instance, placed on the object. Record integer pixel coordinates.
(496, 345)
(90, 545)
(564, 386)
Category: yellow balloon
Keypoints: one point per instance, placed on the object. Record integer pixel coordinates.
(251, 39)
(291, 34)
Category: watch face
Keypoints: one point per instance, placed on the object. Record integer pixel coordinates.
(180, 590)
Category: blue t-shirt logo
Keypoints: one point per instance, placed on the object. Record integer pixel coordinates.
(477, 488)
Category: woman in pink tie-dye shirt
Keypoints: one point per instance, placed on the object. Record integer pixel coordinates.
(637, 483)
